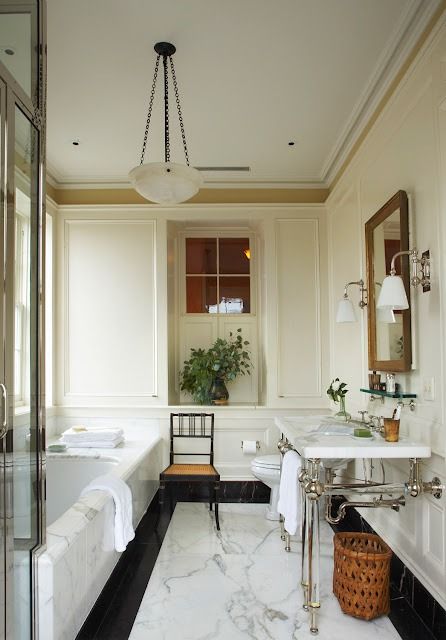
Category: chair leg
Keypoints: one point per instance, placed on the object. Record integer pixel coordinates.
(216, 498)
(161, 493)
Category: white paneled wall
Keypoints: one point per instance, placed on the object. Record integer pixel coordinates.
(122, 335)
(405, 149)
(298, 309)
(107, 324)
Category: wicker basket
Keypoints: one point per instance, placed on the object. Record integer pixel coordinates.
(361, 574)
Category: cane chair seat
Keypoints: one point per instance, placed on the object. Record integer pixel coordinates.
(190, 469)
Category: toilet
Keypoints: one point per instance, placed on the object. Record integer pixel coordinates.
(267, 469)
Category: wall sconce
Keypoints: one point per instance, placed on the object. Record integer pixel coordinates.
(346, 312)
(392, 292)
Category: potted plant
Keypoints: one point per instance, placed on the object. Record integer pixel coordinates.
(337, 392)
(205, 373)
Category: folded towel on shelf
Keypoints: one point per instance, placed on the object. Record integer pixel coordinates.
(92, 444)
(75, 435)
(122, 496)
(289, 493)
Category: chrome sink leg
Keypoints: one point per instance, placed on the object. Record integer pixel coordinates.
(282, 527)
(303, 533)
(313, 490)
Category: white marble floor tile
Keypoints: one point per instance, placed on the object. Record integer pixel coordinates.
(238, 584)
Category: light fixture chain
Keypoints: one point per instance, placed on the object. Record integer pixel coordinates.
(149, 113)
(180, 117)
(166, 113)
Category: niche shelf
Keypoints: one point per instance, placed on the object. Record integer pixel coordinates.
(386, 394)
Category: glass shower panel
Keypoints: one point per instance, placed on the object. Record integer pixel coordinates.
(25, 422)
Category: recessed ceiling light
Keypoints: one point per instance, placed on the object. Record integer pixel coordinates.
(9, 51)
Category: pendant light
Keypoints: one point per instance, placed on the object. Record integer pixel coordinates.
(165, 182)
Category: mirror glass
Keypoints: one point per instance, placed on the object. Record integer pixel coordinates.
(387, 233)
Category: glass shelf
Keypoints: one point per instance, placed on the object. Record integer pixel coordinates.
(386, 394)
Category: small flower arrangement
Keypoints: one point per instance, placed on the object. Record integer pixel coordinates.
(337, 390)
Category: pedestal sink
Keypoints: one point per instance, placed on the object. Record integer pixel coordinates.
(320, 440)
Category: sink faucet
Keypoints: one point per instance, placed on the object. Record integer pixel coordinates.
(376, 424)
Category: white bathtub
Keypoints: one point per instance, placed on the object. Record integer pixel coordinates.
(75, 566)
(66, 476)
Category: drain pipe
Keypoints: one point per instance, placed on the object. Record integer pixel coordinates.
(394, 504)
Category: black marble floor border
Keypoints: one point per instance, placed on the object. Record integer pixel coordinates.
(415, 613)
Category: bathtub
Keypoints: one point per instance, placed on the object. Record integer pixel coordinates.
(76, 563)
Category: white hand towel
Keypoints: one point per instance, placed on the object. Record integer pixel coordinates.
(122, 496)
(92, 434)
(289, 494)
(100, 444)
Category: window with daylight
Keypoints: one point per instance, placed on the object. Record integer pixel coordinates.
(22, 300)
(218, 275)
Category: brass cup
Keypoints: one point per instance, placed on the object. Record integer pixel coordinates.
(391, 430)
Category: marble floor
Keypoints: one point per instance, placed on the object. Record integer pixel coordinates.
(238, 584)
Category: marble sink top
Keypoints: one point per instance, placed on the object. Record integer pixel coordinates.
(321, 437)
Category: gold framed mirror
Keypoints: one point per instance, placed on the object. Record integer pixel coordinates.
(389, 332)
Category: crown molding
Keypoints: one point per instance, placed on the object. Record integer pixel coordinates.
(406, 38)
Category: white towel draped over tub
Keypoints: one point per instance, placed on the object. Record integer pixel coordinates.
(289, 493)
(122, 496)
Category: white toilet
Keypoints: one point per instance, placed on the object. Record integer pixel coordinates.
(267, 469)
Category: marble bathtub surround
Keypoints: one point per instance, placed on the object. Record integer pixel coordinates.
(238, 583)
(76, 564)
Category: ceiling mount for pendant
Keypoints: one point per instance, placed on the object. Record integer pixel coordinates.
(165, 182)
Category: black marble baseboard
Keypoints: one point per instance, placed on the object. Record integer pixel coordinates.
(230, 491)
(414, 611)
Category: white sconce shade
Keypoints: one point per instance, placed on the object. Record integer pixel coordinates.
(166, 182)
(385, 315)
(392, 294)
(345, 312)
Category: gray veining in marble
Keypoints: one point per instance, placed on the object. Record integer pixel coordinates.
(238, 584)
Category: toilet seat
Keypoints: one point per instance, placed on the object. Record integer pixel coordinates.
(271, 461)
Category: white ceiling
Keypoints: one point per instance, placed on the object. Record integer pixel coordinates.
(252, 74)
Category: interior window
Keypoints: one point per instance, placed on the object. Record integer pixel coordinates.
(218, 275)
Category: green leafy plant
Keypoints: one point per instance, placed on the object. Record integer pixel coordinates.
(337, 390)
(225, 359)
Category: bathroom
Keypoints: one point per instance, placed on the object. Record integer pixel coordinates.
(116, 328)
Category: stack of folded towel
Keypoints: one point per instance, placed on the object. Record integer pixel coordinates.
(97, 438)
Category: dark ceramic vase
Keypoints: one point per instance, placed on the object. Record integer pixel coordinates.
(219, 393)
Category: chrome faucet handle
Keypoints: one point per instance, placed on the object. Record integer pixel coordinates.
(362, 414)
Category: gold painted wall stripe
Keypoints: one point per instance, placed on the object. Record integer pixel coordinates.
(204, 196)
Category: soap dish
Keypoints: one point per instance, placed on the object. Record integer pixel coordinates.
(57, 448)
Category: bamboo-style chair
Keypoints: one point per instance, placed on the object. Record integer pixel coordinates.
(193, 426)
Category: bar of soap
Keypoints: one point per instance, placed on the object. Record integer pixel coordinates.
(79, 427)
(362, 432)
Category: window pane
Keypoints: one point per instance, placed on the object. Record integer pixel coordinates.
(201, 295)
(232, 256)
(235, 295)
(201, 255)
